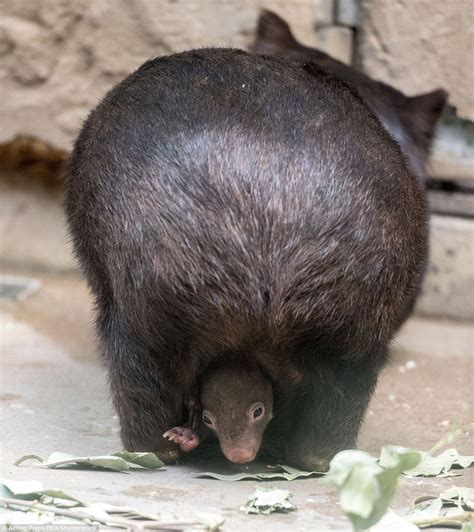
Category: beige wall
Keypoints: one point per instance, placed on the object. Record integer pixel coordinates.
(58, 57)
(418, 45)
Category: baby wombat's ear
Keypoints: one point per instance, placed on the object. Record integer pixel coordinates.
(273, 36)
(425, 110)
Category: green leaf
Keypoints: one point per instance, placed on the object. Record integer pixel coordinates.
(426, 510)
(119, 461)
(432, 466)
(365, 487)
(21, 487)
(453, 508)
(400, 458)
(30, 490)
(361, 492)
(145, 460)
(465, 496)
(291, 473)
(113, 463)
(342, 464)
(268, 500)
(279, 472)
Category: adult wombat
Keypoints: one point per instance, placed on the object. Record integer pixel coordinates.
(230, 209)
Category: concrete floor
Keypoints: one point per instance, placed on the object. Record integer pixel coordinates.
(54, 398)
(53, 394)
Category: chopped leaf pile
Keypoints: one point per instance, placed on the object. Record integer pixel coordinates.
(27, 502)
(365, 487)
(453, 508)
(279, 472)
(32, 490)
(119, 461)
(440, 465)
(268, 500)
(432, 466)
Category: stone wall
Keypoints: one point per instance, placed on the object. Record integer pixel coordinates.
(420, 45)
(58, 57)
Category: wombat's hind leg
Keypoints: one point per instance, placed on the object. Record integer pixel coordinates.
(146, 399)
(328, 416)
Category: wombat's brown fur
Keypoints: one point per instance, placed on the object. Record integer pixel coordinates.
(226, 206)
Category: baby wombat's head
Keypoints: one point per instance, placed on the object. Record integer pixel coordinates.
(237, 402)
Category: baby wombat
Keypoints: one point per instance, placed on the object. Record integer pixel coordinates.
(235, 404)
(231, 209)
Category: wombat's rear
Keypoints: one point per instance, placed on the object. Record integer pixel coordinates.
(226, 206)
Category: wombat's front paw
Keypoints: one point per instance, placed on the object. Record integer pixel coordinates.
(186, 438)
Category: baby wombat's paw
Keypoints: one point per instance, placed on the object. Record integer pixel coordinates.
(186, 438)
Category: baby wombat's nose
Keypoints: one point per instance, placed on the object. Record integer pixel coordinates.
(240, 456)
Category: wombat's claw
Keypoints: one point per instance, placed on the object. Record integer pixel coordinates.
(186, 438)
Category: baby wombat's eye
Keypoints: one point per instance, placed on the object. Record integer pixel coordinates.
(208, 418)
(256, 411)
